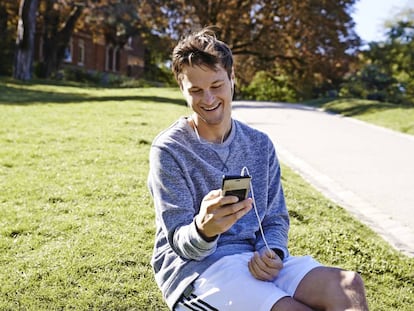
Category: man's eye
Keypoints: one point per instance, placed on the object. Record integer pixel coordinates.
(195, 91)
(217, 86)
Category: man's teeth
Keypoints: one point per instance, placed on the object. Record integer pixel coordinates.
(209, 109)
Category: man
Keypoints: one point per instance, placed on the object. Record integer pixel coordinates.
(210, 252)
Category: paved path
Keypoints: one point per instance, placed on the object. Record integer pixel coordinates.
(365, 168)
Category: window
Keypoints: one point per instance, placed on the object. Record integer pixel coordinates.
(81, 53)
(68, 53)
(112, 60)
(109, 58)
(117, 59)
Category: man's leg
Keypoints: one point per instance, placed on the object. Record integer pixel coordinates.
(289, 304)
(332, 289)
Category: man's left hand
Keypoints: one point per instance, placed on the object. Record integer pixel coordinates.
(266, 265)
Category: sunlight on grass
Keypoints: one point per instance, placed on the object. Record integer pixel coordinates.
(395, 117)
(77, 222)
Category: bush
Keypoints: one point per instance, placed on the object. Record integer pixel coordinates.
(375, 84)
(97, 78)
(267, 87)
(160, 73)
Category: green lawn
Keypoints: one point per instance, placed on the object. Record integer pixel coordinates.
(77, 222)
(396, 117)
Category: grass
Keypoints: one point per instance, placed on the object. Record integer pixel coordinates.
(77, 222)
(396, 117)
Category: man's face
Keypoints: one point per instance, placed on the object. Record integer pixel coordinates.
(208, 92)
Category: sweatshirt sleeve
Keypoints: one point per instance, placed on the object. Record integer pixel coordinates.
(175, 206)
(276, 220)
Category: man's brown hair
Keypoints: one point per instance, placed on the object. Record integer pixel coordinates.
(201, 48)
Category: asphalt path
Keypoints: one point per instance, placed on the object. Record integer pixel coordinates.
(367, 169)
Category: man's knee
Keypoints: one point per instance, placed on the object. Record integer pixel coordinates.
(351, 280)
(330, 288)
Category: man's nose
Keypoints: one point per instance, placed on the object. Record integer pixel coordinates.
(208, 97)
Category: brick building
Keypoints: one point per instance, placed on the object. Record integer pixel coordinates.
(94, 54)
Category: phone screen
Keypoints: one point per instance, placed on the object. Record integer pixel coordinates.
(238, 186)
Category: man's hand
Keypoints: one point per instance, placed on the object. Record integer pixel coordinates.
(217, 213)
(266, 265)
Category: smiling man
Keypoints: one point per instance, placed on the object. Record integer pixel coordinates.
(213, 252)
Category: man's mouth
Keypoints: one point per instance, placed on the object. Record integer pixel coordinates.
(211, 108)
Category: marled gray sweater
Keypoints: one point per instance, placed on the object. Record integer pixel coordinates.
(182, 171)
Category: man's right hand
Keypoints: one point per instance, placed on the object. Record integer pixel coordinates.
(219, 213)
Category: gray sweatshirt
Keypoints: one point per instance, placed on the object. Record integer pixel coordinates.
(183, 170)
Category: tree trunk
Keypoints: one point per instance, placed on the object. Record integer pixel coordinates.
(26, 30)
(56, 40)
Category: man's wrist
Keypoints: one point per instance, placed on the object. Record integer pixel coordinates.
(206, 238)
(202, 235)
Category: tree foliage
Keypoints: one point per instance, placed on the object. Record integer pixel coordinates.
(114, 20)
(387, 71)
(311, 42)
(267, 87)
(372, 82)
(398, 52)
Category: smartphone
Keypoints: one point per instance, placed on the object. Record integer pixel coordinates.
(238, 186)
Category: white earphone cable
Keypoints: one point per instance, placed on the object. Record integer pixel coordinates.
(244, 171)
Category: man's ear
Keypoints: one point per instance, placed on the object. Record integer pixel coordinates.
(232, 78)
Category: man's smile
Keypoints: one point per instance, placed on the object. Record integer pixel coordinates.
(211, 108)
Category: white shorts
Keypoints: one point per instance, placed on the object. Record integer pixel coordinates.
(229, 285)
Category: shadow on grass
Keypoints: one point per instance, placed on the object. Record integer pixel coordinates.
(352, 107)
(15, 95)
(357, 110)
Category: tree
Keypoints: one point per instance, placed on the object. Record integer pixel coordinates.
(400, 49)
(25, 40)
(123, 19)
(310, 42)
(387, 68)
(59, 21)
(8, 24)
(115, 20)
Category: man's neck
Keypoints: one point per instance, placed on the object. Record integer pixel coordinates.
(216, 134)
